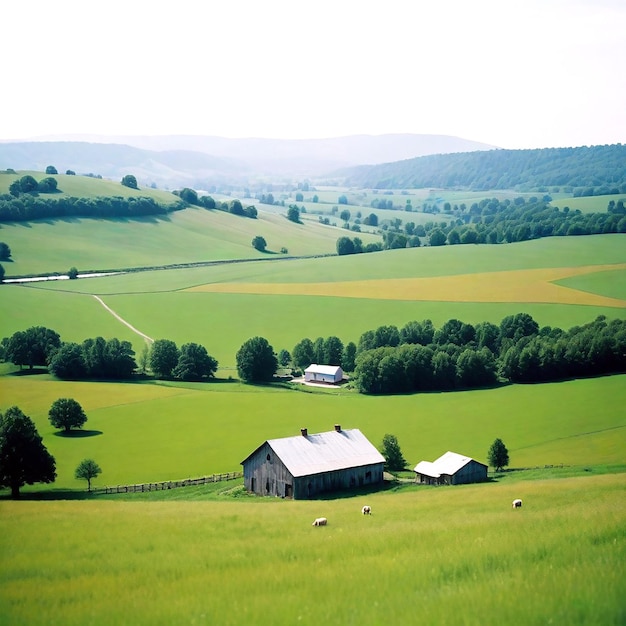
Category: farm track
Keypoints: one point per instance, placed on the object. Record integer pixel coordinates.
(145, 337)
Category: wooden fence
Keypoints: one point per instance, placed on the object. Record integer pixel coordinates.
(168, 484)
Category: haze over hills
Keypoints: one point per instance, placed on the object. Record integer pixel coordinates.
(199, 161)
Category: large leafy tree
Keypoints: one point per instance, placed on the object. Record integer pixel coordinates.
(87, 470)
(395, 462)
(333, 349)
(345, 245)
(24, 460)
(259, 243)
(129, 181)
(33, 346)
(68, 362)
(256, 361)
(303, 353)
(347, 357)
(66, 413)
(163, 357)
(498, 455)
(194, 363)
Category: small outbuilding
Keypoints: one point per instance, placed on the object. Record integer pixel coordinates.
(306, 465)
(450, 469)
(323, 374)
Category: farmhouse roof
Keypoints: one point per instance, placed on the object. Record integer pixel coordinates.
(447, 464)
(338, 449)
(323, 369)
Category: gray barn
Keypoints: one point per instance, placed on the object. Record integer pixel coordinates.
(303, 466)
(450, 469)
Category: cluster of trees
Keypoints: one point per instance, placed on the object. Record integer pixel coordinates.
(190, 196)
(419, 357)
(191, 363)
(345, 245)
(29, 207)
(25, 460)
(104, 359)
(29, 185)
(325, 350)
(94, 358)
(594, 170)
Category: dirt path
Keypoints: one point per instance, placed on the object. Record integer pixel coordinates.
(145, 337)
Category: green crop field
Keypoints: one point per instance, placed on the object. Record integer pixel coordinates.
(425, 555)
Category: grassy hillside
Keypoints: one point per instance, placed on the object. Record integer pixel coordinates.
(88, 187)
(431, 555)
(187, 236)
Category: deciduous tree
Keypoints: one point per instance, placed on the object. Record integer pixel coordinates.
(24, 460)
(66, 413)
(256, 361)
(395, 462)
(163, 357)
(87, 470)
(259, 243)
(194, 363)
(498, 455)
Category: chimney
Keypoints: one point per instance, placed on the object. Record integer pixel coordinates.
(303, 432)
(338, 427)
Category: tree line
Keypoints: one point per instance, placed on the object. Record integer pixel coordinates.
(105, 359)
(594, 170)
(458, 355)
(30, 207)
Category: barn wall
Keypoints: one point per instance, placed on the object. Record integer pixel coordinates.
(473, 472)
(310, 486)
(267, 477)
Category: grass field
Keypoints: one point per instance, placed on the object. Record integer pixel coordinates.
(152, 432)
(435, 283)
(88, 187)
(428, 555)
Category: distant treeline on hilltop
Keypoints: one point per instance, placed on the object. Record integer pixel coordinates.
(584, 171)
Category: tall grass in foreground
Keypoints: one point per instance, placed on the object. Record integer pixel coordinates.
(456, 555)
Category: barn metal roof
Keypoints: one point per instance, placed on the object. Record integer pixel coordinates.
(449, 463)
(325, 452)
(323, 369)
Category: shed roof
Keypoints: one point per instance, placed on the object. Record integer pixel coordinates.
(449, 463)
(323, 369)
(324, 452)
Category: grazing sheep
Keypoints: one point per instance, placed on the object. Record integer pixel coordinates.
(517, 504)
(320, 521)
(366, 510)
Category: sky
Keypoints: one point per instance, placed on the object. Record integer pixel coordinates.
(510, 73)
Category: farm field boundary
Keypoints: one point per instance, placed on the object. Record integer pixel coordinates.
(168, 484)
(533, 285)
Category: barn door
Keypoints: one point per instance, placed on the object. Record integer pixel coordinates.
(288, 491)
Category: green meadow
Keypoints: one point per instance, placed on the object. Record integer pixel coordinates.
(450, 555)
(147, 432)
(426, 555)
(88, 187)
(157, 304)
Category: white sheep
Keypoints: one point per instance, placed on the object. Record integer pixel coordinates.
(366, 510)
(517, 504)
(320, 521)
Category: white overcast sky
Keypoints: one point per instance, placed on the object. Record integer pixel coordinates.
(512, 73)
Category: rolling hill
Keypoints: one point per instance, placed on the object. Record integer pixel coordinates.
(200, 162)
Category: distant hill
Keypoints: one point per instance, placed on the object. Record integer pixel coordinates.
(201, 161)
(594, 170)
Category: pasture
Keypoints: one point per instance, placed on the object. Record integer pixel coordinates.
(341, 296)
(428, 555)
(143, 432)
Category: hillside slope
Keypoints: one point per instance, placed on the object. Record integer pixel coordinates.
(586, 170)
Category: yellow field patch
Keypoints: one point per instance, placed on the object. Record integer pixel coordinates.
(510, 286)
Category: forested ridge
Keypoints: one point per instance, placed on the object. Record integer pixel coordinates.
(594, 170)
